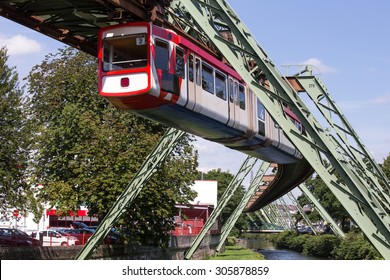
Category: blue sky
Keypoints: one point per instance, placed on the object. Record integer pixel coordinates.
(347, 40)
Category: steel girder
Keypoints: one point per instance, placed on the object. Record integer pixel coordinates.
(318, 145)
(167, 143)
(246, 167)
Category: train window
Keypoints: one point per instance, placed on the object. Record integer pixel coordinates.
(235, 92)
(260, 117)
(197, 71)
(162, 55)
(220, 85)
(207, 78)
(191, 67)
(125, 52)
(231, 90)
(180, 63)
(242, 96)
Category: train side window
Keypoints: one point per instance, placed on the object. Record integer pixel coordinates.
(220, 85)
(231, 90)
(242, 96)
(261, 117)
(207, 78)
(191, 67)
(180, 63)
(235, 92)
(162, 55)
(197, 71)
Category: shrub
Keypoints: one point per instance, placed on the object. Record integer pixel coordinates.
(355, 247)
(321, 245)
(283, 239)
(231, 241)
(298, 242)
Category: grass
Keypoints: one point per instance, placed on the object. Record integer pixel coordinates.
(238, 253)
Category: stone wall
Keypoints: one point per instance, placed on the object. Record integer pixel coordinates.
(178, 246)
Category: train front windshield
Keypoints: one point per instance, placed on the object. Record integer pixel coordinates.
(125, 52)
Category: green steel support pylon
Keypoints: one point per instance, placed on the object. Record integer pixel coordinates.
(278, 216)
(149, 167)
(263, 214)
(272, 216)
(303, 214)
(319, 146)
(252, 220)
(322, 211)
(231, 221)
(288, 214)
(226, 196)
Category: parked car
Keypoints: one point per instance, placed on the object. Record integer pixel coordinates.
(54, 238)
(77, 225)
(10, 237)
(83, 234)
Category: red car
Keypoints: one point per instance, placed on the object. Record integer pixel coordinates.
(11, 237)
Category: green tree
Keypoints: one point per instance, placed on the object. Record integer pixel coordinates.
(328, 200)
(224, 178)
(14, 141)
(386, 166)
(87, 151)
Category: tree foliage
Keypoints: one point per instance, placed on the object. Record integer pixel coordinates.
(224, 178)
(14, 141)
(87, 151)
(327, 199)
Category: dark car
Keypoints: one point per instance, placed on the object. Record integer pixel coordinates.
(11, 237)
(77, 225)
(83, 234)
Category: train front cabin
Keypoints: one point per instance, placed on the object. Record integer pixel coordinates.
(160, 75)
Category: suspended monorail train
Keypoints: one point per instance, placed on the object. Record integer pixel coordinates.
(163, 76)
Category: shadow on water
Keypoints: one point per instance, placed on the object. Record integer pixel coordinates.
(269, 251)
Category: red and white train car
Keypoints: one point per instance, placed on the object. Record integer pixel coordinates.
(163, 76)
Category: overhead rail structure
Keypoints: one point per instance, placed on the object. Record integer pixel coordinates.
(334, 152)
(360, 185)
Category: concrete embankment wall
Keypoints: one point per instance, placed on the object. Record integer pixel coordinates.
(179, 244)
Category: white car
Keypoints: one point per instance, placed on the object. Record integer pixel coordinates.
(53, 238)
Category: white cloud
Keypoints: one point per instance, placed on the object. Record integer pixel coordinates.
(382, 99)
(20, 44)
(322, 67)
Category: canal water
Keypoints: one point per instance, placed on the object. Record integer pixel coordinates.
(269, 251)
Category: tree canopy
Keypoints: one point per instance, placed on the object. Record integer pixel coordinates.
(224, 178)
(14, 141)
(87, 151)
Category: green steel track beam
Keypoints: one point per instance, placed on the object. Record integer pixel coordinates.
(318, 145)
(322, 211)
(149, 167)
(231, 221)
(246, 167)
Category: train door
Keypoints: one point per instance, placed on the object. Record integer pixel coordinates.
(241, 119)
(232, 91)
(194, 83)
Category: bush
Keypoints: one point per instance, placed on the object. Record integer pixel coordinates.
(321, 245)
(355, 247)
(298, 242)
(231, 241)
(283, 239)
